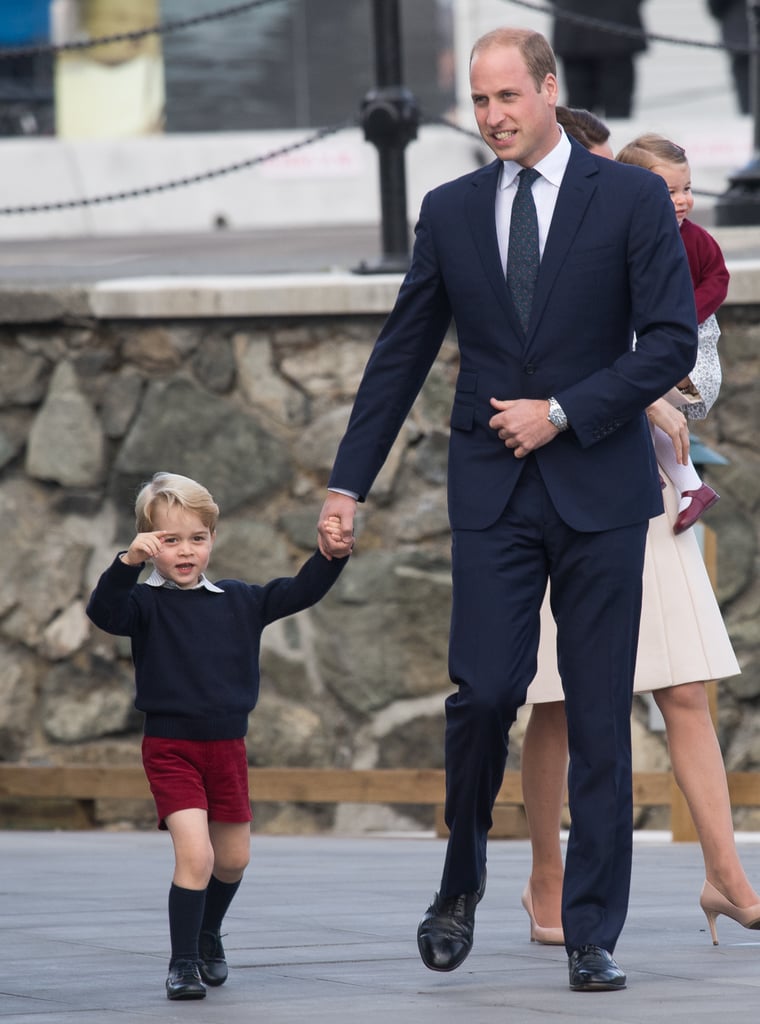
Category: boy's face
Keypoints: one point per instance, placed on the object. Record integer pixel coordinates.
(185, 545)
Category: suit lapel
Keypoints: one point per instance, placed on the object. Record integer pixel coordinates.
(481, 219)
(578, 186)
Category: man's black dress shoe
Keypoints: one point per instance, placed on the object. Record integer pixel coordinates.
(444, 935)
(184, 981)
(592, 969)
(212, 964)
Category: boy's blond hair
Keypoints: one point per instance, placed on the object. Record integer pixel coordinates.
(174, 489)
(650, 150)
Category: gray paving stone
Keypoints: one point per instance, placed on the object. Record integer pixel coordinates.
(323, 930)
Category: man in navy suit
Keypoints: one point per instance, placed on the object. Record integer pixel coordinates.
(551, 471)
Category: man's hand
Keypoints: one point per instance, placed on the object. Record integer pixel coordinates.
(665, 416)
(522, 424)
(336, 539)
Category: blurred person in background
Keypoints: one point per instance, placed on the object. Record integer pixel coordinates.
(26, 89)
(734, 30)
(598, 64)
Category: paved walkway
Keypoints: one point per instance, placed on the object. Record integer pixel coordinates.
(323, 930)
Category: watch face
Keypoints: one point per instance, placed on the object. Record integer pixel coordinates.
(556, 415)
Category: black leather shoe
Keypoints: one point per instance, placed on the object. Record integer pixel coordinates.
(444, 935)
(184, 981)
(592, 969)
(211, 963)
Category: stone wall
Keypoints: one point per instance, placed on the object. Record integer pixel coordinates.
(254, 407)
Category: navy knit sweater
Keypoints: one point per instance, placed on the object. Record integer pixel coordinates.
(196, 653)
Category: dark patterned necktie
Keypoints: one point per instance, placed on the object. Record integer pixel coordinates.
(523, 255)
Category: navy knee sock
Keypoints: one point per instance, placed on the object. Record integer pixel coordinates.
(218, 898)
(185, 916)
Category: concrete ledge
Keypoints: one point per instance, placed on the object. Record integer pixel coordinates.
(744, 286)
(31, 304)
(201, 296)
(275, 295)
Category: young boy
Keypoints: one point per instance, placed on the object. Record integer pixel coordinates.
(195, 647)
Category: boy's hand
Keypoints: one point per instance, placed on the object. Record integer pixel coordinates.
(336, 541)
(339, 547)
(143, 547)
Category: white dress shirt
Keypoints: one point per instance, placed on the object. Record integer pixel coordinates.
(157, 580)
(545, 190)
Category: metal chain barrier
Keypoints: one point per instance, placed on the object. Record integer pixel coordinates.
(241, 165)
(161, 29)
(193, 179)
(625, 30)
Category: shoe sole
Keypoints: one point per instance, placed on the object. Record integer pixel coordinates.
(597, 986)
(209, 980)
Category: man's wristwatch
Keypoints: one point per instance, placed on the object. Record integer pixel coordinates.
(557, 415)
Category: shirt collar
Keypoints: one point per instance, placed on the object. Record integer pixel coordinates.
(552, 166)
(157, 580)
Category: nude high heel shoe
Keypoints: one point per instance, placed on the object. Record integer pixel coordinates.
(714, 903)
(546, 936)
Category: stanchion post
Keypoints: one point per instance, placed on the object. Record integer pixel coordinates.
(740, 204)
(390, 116)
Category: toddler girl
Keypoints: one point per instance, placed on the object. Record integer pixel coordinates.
(696, 394)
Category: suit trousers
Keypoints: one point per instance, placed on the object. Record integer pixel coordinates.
(499, 579)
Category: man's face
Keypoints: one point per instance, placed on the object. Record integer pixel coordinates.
(516, 120)
(185, 545)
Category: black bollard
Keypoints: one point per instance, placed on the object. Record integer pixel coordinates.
(740, 203)
(389, 116)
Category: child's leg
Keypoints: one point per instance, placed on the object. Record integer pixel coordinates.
(232, 845)
(193, 863)
(684, 478)
(193, 860)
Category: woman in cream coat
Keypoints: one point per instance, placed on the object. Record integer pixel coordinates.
(682, 642)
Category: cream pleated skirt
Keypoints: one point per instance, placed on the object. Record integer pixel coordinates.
(682, 638)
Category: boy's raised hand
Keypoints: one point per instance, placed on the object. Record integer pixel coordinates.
(143, 547)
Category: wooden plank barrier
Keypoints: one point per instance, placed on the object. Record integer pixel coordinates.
(328, 786)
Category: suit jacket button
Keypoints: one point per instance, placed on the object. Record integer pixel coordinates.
(530, 368)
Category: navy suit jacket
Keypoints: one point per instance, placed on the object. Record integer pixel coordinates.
(613, 264)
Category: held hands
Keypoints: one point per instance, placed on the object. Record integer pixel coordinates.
(336, 526)
(522, 424)
(665, 416)
(143, 547)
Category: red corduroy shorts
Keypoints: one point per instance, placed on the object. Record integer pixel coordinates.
(209, 774)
